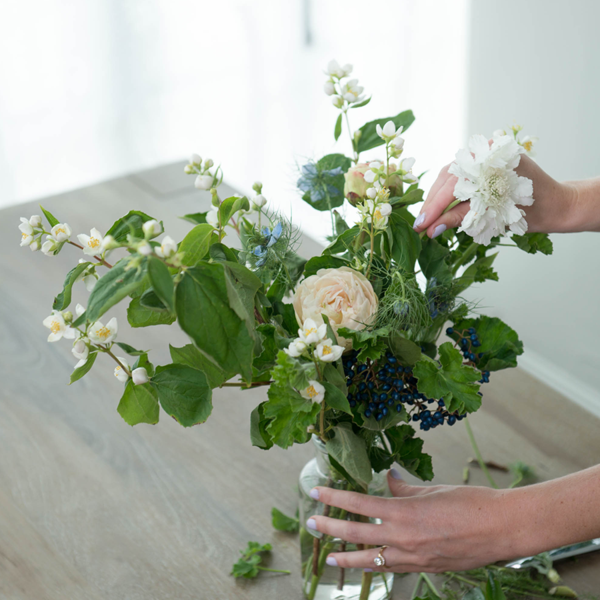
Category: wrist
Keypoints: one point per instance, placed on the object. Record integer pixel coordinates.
(583, 204)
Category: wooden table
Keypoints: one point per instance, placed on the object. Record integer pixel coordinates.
(91, 508)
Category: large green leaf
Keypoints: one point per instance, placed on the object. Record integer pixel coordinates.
(479, 271)
(112, 287)
(407, 451)
(230, 206)
(330, 187)
(323, 262)
(369, 343)
(139, 404)
(184, 393)
(432, 261)
(215, 315)
(62, 300)
(450, 380)
(162, 282)
(140, 316)
(534, 242)
(369, 137)
(350, 451)
(344, 241)
(196, 243)
(334, 398)
(131, 223)
(406, 245)
(258, 429)
(192, 357)
(406, 351)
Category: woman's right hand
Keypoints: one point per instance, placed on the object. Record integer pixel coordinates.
(555, 208)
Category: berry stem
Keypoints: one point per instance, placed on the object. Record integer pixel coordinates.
(478, 455)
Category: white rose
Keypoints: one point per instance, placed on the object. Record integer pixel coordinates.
(344, 295)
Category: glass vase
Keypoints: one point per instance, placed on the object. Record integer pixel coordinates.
(321, 581)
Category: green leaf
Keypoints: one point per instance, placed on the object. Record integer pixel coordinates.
(474, 594)
(62, 300)
(334, 398)
(450, 380)
(192, 357)
(338, 127)
(162, 282)
(196, 243)
(212, 312)
(183, 393)
(282, 522)
(221, 253)
(272, 343)
(258, 429)
(493, 590)
(131, 223)
(406, 245)
(500, 344)
(230, 206)
(294, 373)
(361, 104)
(413, 195)
(407, 451)
(140, 316)
(336, 376)
(247, 566)
(534, 242)
(432, 260)
(350, 451)
(332, 187)
(475, 272)
(130, 350)
(111, 288)
(51, 218)
(406, 351)
(323, 262)
(343, 242)
(195, 218)
(369, 343)
(368, 132)
(139, 404)
(340, 224)
(85, 368)
(150, 300)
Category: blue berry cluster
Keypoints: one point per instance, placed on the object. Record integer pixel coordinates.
(468, 340)
(385, 385)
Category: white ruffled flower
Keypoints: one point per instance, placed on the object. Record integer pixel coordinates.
(334, 69)
(120, 372)
(152, 228)
(351, 91)
(61, 232)
(486, 176)
(204, 182)
(92, 244)
(103, 334)
(296, 348)
(311, 333)
(212, 216)
(58, 328)
(315, 391)
(167, 247)
(140, 376)
(81, 350)
(329, 352)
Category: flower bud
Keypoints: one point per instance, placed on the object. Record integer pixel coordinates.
(188, 169)
(140, 376)
(337, 101)
(35, 221)
(67, 316)
(80, 349)
(144, 248)
(208, 163)
(259, 202)
(152, 229)
(34, 246)
(329, 88)
(356, 187)
(257, 187)
(109, 242)
(90, 282)
(204, 182)
(215, 198)
(196, 159)
(167, 248)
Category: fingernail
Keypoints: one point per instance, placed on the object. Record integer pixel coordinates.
(438, 230)
(367, 570)
(331, 561)
(311, 524)
(419, 220)
(395, 474)
(314, 493)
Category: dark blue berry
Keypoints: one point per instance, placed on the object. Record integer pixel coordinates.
(372, 405)
(471, 330)
(416, 417)
(383, 397)
(362, 368)
(385, 411)
(386, 387)
(362, 386)
(451, 420)
(449, 331)
(399, 408)
(379, 416)
(441, 403)
(473, 337)
(367, 413)
(392, 359)
(352, 403)
(371, 385)
(390, 402)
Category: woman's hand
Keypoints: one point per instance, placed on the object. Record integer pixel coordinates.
(557, 206)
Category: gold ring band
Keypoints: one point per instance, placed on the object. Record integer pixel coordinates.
(379, 560)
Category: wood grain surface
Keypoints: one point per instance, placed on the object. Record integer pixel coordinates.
(91, 508)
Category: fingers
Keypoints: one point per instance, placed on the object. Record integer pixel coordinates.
(438, 199)
(396, 560)
(349, 531)
(359, 504)
(399, 487)
(453, 218)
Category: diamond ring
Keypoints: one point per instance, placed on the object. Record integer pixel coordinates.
(379, 560)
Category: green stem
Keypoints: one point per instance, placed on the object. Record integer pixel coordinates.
(274, 570)
(351, 137)
(365, 585)
(478, 454)
(98, 258)
(241, 384)
(429, 583)
(461, 578)
(372, 249)
(466, 257)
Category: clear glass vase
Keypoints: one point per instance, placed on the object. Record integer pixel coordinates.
(322, 582)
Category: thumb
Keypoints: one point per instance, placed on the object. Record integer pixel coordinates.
(399, 487)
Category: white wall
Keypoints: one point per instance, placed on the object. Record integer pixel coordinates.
(537, 63)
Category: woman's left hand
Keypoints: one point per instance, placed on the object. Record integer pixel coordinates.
(429, 529)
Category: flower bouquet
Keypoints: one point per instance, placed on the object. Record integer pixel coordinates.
(345, 343)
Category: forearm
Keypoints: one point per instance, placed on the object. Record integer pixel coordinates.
(555, 513)
(586, 204)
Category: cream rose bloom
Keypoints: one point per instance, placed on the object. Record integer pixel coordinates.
(344, 295)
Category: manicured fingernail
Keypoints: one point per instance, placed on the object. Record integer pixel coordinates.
(395, 474)
(367, 570)
(419, 220)
(438, 230)
(311, 524)
(331, 561)
(314, 493)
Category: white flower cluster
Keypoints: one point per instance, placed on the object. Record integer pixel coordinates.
(527, 143)
(313, 343)
(486, 176)
(343, 94)
(205, 180)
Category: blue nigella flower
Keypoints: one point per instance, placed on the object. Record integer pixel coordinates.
(317, 183)
(271, 237)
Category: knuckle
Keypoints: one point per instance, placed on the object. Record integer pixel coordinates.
(351, 532)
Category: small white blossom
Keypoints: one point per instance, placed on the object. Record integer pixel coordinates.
(296, 348)
(528, 142)
(34, 246)
(315, 391)
(61, 232)
(334, 69)
(208, 163)
(35, 221)
(103, 334)
(79, 309)
(337, 101)
(167, 247)
(81, 349)
(196, 159)
(371, 176)
(204, 182)
(329, 88)
(371, 193)
(144, 248)
(58, 328)
(152, 229)
(351, 91)
(92, 244)
(388, 131)
(329, 352)
(212, 217)
(90, 281)
(120, 372)
(26, 239)
(309, 333)
(25, 226)
(50, 246)
(140, 376)
(259, 201)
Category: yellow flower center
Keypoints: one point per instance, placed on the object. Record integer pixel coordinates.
(528, 145)
(117, 370)
(24, 235)
(327, 350)
(377, 214)
(61, 230)
(103, 333)
(94, 242)
(311, 392)
(55, 327)
(307, 332)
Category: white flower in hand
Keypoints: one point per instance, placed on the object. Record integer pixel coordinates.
(58, 328)
(103, 334)
(329, 352)
(167, 247)
(315, 391)
(310, 333)
(296, 348)
(204, 182)
(92, 244)
(212, 217)
(61, 232)
(120, 372)
(140, 376)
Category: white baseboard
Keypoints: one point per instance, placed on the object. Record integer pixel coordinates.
(562, 381)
